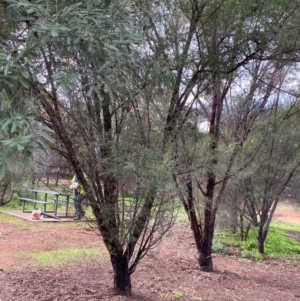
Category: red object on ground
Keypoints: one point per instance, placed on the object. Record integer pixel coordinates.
(36, 214)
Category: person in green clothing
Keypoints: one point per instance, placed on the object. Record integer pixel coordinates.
(78, 198)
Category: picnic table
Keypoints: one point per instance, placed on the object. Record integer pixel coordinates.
(37, 199)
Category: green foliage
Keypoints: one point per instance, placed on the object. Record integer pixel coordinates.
(70, 30)
(13, 204)
(249, 244)
(219, 247)
(252, 254)
(181, 215)
(116, 78)
(227, 238)
(20, 134)
(287, 225)
(277, 244)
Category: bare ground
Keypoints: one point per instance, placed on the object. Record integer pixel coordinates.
(170, 272)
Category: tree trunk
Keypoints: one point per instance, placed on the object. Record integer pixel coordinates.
(262, 235)
(262, 231)
(261, 245)
(57, 177)
(250, 202)
(233, 223)
(122, 280)
(205, 260)
(48, 177)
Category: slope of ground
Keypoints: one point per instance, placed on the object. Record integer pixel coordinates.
(170, 272)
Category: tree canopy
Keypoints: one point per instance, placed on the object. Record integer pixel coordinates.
(119, 89)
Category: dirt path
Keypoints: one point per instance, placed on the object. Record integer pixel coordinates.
(285, 214)
(170, 272)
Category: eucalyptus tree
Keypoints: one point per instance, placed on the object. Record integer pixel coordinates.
(79, 60)
(214, 40)
(276, 162)
(20, 134)
(253, 111)
(118, 101)
(15, 180)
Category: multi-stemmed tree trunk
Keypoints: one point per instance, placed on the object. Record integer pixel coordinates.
(118, 85)
(79, 73)
(277, 163)
(120, 224)
(218, 168)
(217, 47)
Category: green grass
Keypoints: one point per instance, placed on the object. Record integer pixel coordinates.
(287, 226)
(13, 204)
(219, 247)
(62, 257)
(173, 295)
(19, 223)
(182, 216)
(58, 257)
(278, 243)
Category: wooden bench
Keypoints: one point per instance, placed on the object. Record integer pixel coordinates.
(24, 200)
